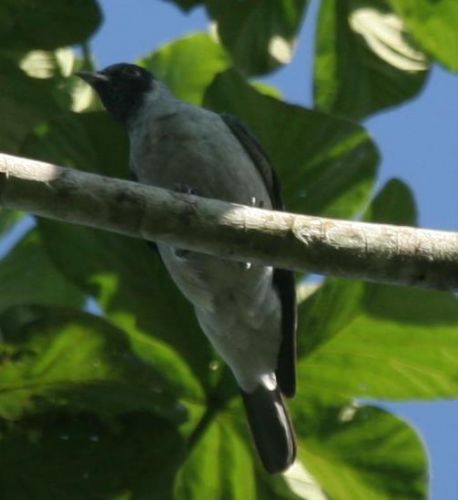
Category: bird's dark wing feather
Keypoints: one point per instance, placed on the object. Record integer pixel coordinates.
(283, 280)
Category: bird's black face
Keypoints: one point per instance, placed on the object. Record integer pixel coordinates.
(121, 87)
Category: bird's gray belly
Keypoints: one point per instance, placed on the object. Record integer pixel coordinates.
(237, 308)
(236, 305)
(215, 284)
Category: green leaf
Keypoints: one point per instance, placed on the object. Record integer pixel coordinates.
(56, 358)
(92, 142)
(182, 66)
(27, 276)
(107, 145)
(8, 218)
(326, 164)
(364, 62)
(131, 285)
(434, 26)
(268, 89)
(34, 24)
(391, 342)
(260, 36)
(62, 141)
(361, 453)
(63, 457)
(394, 204)
(25, 103)
(220, 465)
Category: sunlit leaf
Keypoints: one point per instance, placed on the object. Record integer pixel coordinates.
(434, 26)
(364, 59)
(48, 64)
(182, 65)
(220, 465)
(361, 453)
(391, 342)
(55, 358)
(60, 64)
(260, 36)
(394, 343)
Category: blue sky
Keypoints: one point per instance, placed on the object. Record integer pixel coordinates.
(418, 142)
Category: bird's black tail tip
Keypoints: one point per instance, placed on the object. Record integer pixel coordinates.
(271, 428)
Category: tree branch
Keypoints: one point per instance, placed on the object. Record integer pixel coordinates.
(372, 252)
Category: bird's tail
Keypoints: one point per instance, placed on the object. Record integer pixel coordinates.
(271, 428)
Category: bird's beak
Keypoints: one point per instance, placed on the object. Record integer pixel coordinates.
(92, 77)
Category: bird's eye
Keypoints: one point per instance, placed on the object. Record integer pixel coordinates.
(132, 72)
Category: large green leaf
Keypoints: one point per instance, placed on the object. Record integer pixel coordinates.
(434, 26)
(391, 342)
(326, 164)
(183, 67)
(364, 60)
(362, 453)
(348, 451)
(27, 276)
(134, 290)
(62, 358)
(220, 465)
(34, 24)
(59, 457)
(260, 36)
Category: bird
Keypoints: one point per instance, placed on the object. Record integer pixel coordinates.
(246, 310)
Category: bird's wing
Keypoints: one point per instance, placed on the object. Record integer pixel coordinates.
(283, 280)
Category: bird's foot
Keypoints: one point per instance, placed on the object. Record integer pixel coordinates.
(180, 253)
(185, 189)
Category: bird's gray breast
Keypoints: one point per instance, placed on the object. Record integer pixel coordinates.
(174, 145)
(181, 144)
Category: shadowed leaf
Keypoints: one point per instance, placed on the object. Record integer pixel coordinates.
(34, 24)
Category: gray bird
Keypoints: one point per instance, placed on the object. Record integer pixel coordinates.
(248, 312)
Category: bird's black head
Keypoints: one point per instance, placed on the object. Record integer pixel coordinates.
(121, 87)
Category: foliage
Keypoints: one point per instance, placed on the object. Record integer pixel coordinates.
(131, 402)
